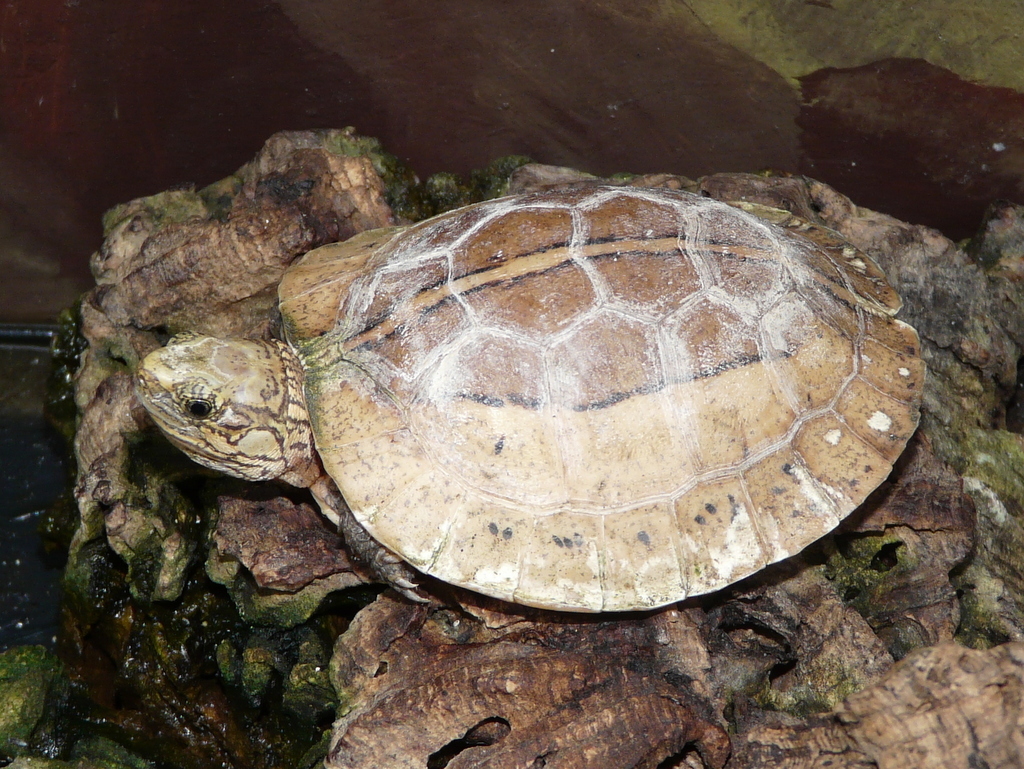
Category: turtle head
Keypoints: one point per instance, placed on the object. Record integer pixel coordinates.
(234, 405)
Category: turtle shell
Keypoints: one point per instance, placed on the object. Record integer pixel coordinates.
(604, 398)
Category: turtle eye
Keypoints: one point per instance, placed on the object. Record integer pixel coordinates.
(199, 408)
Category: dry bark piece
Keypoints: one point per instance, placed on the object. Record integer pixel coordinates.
(422, 684)
(770, 740)
(534, 177)
(902, 546)
(793, 646)
(283, 544)
(944, 707)
(99, 443)
(169, 262)
(788, 193)
(1000, 238)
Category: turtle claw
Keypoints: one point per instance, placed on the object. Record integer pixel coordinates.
(411, 594)
(398, 574)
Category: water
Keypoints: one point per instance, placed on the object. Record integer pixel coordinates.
(33, 472)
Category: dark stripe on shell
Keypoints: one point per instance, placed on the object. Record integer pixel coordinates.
(495, 263)
(485, 400)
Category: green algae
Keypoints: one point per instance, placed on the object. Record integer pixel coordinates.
(34, 693)
(795, 39)
(413, 199)
(162, 209)
(823, 683)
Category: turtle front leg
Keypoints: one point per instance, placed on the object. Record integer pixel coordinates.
(383, 563)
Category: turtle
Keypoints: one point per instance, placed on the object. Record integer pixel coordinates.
(594, 399)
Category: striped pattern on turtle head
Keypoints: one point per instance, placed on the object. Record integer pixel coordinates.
(234, 405)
